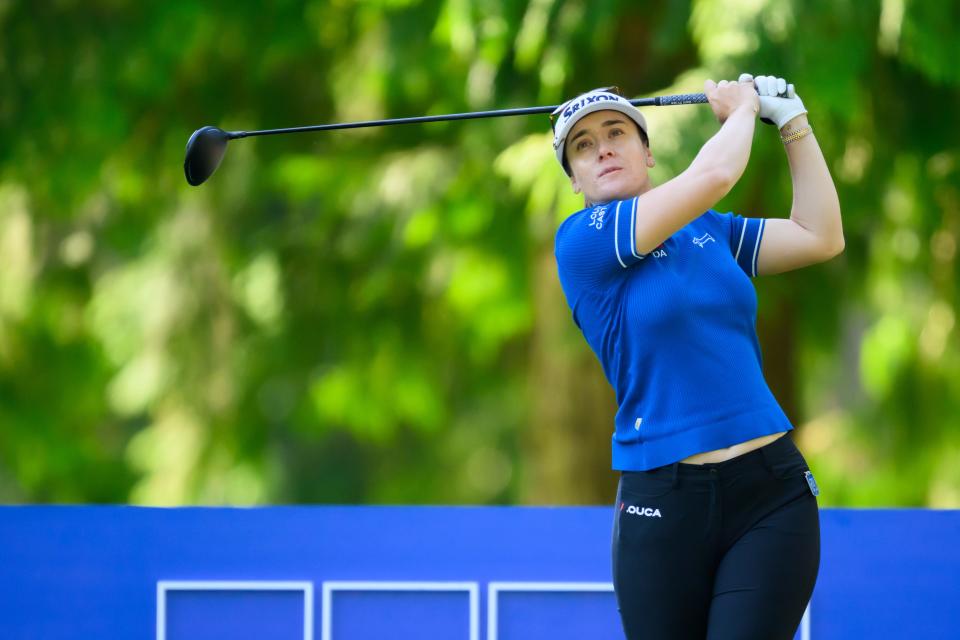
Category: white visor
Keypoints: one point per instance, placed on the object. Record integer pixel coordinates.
(567, 114)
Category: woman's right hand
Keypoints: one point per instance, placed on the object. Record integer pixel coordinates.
(663, 210)
(726, 97)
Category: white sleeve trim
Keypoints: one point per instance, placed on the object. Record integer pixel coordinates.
(756, 249)
(742, 232)
(633, 230)
(616, 235)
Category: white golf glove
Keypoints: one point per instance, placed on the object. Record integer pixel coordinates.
(779, 103)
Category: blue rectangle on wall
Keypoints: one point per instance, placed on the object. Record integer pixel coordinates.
(400, 615)
(234, 615)
(565, 615)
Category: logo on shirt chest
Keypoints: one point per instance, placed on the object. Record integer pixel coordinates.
(703, 240)
(660, 252)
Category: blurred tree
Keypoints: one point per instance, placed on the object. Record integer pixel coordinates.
(374, 316)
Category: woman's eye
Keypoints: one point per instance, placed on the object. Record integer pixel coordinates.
(615, 132)
(582, 145)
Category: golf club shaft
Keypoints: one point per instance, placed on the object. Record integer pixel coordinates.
(684, 98)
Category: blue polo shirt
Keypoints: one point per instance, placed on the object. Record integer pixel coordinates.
(674, 330)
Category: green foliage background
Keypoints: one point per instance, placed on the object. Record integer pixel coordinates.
(374, 316)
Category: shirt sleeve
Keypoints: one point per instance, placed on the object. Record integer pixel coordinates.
(594, 245)
(745, 235)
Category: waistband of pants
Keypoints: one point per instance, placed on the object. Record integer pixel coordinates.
(766, 456)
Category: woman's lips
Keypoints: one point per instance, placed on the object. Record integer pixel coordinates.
(608, 171)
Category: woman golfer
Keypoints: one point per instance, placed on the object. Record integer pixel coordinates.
(717, 530)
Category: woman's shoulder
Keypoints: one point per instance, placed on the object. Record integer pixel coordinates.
(714, 216)
(715, 221)
(596, 215)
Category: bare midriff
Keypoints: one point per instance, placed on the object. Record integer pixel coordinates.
(720, 455)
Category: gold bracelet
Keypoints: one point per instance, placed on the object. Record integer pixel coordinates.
(796, 135)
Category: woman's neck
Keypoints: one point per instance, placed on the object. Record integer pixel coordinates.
(587, 203)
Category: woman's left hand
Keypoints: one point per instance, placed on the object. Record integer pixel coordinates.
(779, 103)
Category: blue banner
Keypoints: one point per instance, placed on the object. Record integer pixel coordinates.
(471, 573)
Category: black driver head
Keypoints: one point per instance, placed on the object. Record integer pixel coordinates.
(205, 150)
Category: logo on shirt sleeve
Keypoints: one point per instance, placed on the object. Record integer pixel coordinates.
(596, 217)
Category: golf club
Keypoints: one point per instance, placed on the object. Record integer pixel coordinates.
(207, 145)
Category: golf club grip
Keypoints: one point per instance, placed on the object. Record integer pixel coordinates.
(659, 101)
(665, 101)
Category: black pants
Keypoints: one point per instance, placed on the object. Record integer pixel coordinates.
(727, 550)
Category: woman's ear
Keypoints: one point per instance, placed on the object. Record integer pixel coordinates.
(574, 184)
(651, 162)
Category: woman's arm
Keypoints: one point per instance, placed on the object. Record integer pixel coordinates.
(667, 208)
(814, 232)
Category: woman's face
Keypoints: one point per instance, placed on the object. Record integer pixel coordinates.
(607, 157)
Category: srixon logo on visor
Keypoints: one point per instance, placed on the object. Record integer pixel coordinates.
(640, 511)
(579, 104)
